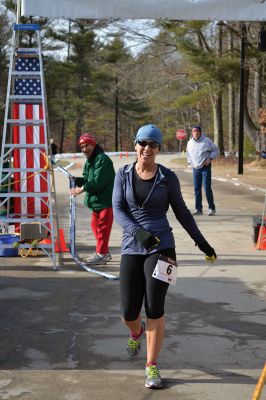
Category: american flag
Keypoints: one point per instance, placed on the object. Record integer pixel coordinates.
(29, 181)
(31, 85)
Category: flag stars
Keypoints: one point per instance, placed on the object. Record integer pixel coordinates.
(27, 86)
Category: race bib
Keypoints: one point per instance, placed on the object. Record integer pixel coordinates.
(165, 270)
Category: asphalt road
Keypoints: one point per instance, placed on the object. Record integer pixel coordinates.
(61, 333)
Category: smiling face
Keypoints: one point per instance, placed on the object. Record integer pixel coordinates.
(147, 151)
(87, 149)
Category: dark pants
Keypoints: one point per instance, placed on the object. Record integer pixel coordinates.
(137, 284)
(203, 176)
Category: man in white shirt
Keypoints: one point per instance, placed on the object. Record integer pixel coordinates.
(200, 153)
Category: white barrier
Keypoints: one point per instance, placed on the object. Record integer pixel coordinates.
(81, 155)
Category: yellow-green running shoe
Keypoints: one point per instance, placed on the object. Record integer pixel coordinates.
(153, 378)
(134, 344)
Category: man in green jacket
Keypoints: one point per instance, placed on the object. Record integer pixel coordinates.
(97, 183)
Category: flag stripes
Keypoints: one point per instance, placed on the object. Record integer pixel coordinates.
(29, 158)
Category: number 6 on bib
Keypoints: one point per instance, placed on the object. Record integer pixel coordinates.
(165, 270)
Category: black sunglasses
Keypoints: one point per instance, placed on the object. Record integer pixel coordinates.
(144, 143)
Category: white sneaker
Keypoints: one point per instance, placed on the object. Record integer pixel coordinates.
(197, 212)
(99, 259)
(108, 256)
(211, 212)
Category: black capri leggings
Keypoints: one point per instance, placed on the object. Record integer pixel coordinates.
(137, 283)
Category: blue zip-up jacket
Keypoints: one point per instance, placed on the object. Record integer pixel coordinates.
(151, 216)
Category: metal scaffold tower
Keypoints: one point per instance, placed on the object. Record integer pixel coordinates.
(27, 198)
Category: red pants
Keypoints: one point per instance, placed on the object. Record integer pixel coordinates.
(101, 225)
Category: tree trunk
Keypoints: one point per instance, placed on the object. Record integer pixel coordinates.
(218, 121)
(250, 128)
(258, 77)
(231, 104)
(231, 119)
(257, 86)
(79, 126)
(62, 135)
(217, 101)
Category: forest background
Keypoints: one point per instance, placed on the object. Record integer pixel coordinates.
(109, 77)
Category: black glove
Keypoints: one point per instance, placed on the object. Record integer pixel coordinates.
(207, 249)
(147, 240)
(79, 181)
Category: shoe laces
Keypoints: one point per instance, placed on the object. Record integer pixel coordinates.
(133, 343)
(153, 372)
(93, 255)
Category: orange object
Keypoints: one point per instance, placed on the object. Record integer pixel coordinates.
(127, 154)
(261, 242)
(46, 241)
(120, 155)
(260, 384)
(60, 245)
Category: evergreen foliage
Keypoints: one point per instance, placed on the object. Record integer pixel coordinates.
(188, 73)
